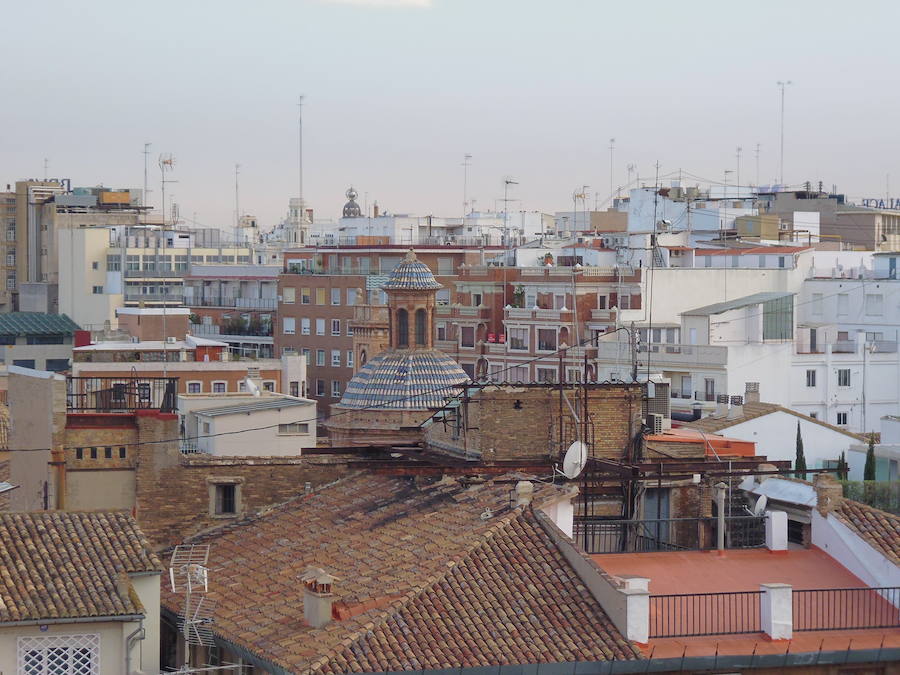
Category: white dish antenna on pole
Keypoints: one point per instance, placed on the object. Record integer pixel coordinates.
(575, 460)
(760, 506)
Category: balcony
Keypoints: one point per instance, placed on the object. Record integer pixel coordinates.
(212, 330)
(674, 534)
(155, 274)
(169, 298)
(237, 303)
(602, 315)
(120, 394)
(666, 355)
(545, 315)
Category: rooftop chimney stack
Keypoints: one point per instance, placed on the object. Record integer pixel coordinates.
(751, 392)
(721, 405)
(524, 492)
(829, 493)
(737, 408)
(317, 596)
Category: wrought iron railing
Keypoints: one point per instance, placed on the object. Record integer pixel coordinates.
(670, 534)
(846, 608)
(121, 394)
(691, 614)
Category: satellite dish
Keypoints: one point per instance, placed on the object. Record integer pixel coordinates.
(251, 386)
(575, 459)
(760, 505)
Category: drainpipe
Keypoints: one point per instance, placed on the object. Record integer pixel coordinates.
(138, 634)
(720, 525)
(58, 461)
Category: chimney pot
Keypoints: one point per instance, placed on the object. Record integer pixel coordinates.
(751, 392)
(317, 596)
(737, 407)
(524, 492)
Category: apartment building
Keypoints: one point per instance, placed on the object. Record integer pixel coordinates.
(7, 247)
(319, 289)
(236, 304)
(110, 267)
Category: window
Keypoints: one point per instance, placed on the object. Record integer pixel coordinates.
(546, 339)
(226, 499)
(320, 296)
(518, 339)
(817, 304)
(349, 329)
(843, 377)
(443, 297)
(349, 358)
(335, 296)
(122, 453)
(320, 326)
(467, 336)
(206, 427)
(420, 327)
(289, 325)
(10, 281)
(351, 296)
(268, 385)
(810, 378)
(306, 354)
(295, 388)
(336, 358)
(113, 263)
(320, 357)
(335, 326)
(402, 328)
(625, 301)
(842, 419)
(476, 299)
(778, 318)
(219, 387)
(97, 290)
(194, 387)
(93, 453)
(305, 296)
(24, 363)
(335, 389)
(445, 266)
(843, 304)
(107, 452)
(59, 655)
(814, 415)
(441, 330)
(320, 387)
(546, 375)
(874, 304)
(762, 261)
(517, 374)
(56, 365)
(293, 428)
(304, 326)
(79, 453)
(781, 261)
(289, 295)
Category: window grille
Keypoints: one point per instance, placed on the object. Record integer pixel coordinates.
(59, 655)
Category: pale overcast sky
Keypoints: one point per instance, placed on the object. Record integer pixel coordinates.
(398, 90)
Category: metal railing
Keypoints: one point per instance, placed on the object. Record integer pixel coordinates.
(120, 394)
(668, 534)
(846, 608)
(225, 301)
(190, 447)
(691, 614)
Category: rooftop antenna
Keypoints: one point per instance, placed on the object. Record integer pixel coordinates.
(46, 165)
(146, 172)
(300, 158)
(189, 576)
(758, 145)
(759, 507)
(738, 175)
(612, 147)
(465, 165)
(781, 84)
(166, 163)
(237, 203)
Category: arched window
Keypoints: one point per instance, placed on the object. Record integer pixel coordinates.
(402, 328)
(363, 358)
(420, 327)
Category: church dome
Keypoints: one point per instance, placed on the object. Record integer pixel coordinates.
(411, 275)
(417, 379)
(351, 208)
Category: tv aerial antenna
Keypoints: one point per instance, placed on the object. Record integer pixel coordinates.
(574, 460)
(189, 576)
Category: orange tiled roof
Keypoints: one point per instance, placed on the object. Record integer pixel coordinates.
(424, 581)
(879, 528)
(57, 565)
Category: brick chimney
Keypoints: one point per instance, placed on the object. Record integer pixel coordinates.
(751, 392)
(317, 596)
(829, 493)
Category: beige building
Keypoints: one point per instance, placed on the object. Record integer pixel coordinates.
(80, 595)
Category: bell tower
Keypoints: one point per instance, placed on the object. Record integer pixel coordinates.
(412, 296)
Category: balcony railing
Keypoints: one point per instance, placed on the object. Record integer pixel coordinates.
(237, 303)
(212, 329)
(154, 297)
(662, 355)
(672, 534)
(692, 614)
(120, 394)
(155, 274)
(846, 608)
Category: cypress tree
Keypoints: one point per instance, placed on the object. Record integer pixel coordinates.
(869, 471)
(800, 459)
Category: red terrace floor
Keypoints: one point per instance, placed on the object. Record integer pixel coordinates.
(745, 570)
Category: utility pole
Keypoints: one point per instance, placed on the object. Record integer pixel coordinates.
(146, 166)
(739, 149)
(612, 147)
(781, 164)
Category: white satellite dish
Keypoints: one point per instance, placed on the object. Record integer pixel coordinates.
(575, 459)
(760, 505)
(251, 386)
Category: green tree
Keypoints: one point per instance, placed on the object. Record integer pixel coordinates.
(800, 459)
(869, 471)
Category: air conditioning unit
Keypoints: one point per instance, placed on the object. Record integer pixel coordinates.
(171, 340)
(655, 422)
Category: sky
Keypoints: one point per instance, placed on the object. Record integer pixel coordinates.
(398, 91)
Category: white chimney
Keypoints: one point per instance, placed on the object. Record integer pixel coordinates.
(751, 392)
(524, 492)
(737, 408)
(317, 596)
(721, 405)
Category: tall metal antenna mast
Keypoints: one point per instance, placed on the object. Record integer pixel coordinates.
(146, 200)
(166, 163)
(465, 165)
(300, 159)
(46, 165)
(738, 177)
(757, 168)
(189, 576)
(237, 203)
(612, 147)
(781, 163)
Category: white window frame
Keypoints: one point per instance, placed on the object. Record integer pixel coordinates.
(846, 419)
(840, 377)
(224, 383)
(336, 295)
(335, 322)
(874, 304)
(33, 654)
(288, 325)
(320, 326)
(335, 358)
(190, 383)
(349, 358)
(336, 389)
(304, 326)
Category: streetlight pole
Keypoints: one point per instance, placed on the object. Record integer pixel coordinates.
(781, 166)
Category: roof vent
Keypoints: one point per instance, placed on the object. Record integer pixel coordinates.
(317, 596)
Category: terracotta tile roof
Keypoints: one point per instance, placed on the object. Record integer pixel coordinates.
(57, 565)
(879, 528)
(423, 581)
(712, 424)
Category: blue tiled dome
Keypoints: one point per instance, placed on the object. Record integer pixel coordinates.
(411, 275)
(405, 379)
